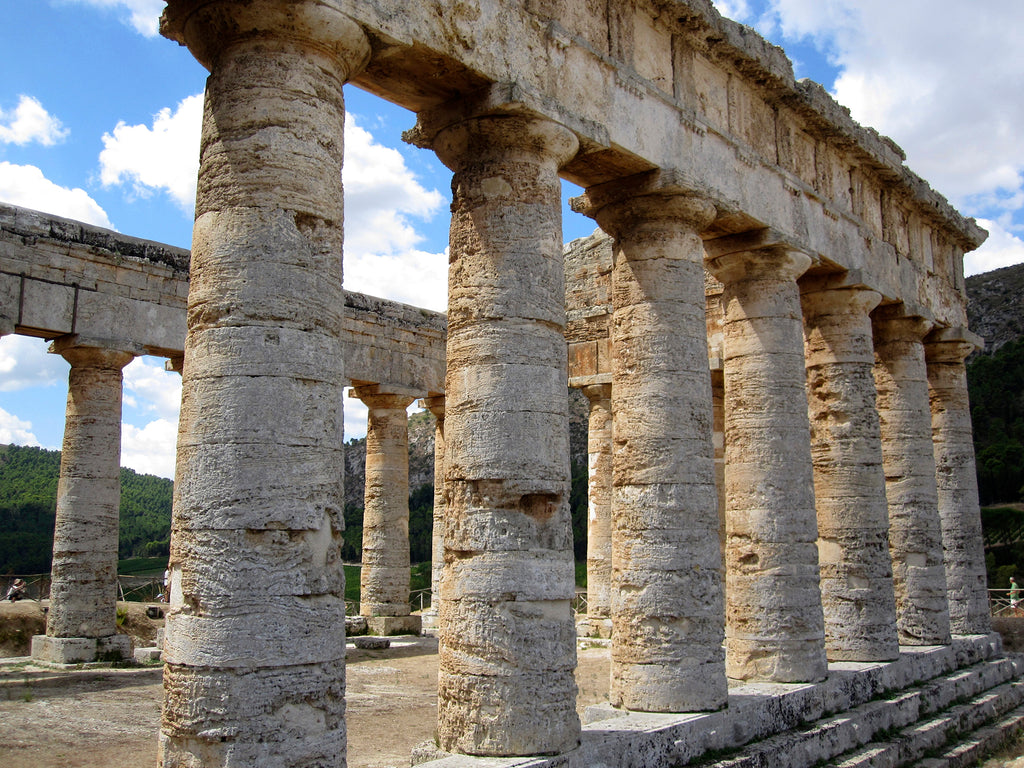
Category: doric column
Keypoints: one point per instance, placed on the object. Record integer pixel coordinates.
(384, 579)
(915, 535)
(956, 480)
(507, 639)
(80, 625)
(599, 502)
(849, 482)
(255, 649)
(774, 626)
(667, 605)
(435, 404)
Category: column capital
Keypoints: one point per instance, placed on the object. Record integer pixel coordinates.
(82, 352)
(6, 326)
(951, 345)
(597, 392)
(379, 396)
(662, 197)
(434, 404)
(175, 364)
(496, 137)
(893, 323)
(207, 28)
(855, 300)
(777, 262)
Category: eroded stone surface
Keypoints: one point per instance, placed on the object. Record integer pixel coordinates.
(599, 501)
(849, 481)
(507, 639)
(774, 624)
(83, 593)
(915, 534)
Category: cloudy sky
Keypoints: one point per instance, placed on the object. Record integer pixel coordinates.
(99, 121)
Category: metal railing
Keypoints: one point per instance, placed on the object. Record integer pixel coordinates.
(1000, 604)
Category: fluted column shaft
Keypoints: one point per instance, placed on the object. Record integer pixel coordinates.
(849, 482)
(667, 604)
(507, 638)
(599, 501)
(255, 650)
(83, 594)
(384, 577)
(774, 624)
(436, 406)
(915, 534)
(957, 484)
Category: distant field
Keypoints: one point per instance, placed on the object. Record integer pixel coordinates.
(142, 566)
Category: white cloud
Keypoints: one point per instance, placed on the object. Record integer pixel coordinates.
(25, 185)
(25, 363)
(162, 157)
(149, 387)
(16, 431)
(142, 15)
(1002, 249)
(29, 122)
(355, 417)
(151, 449)
(411, 277)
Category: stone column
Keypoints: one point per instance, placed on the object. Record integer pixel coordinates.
(384, 578)
(915, 534)
(599, 507)
(255, 645)
(435, 405)
(507, 639)
(849, 482)
(667, 603)
(81, 623)
(956, 480)
(774, 625)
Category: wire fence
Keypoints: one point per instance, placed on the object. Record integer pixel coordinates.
(1000, 604)
(141, 589)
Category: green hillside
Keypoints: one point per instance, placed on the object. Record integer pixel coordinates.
(28, 500)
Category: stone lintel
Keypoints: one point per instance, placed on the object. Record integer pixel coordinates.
(578, 382)
(754, 240)
(175, 364)
(505, 98)
(6, 326)
(394, 625)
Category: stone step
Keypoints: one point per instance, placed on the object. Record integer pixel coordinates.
(912, 744)
(852, 732)
(981, 742)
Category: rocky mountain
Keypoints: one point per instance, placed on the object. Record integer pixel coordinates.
(995, 308)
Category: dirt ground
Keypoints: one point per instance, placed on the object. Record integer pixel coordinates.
(110, 717)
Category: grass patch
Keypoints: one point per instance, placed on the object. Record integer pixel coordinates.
(142, 566)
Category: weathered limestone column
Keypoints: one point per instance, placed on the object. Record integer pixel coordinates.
(255, 646)
(81, 625)
(668, 615)
(774, 625)
(915, 534)
(384, 578)
(849, 482)
(599, 503)
(435, 405)
(507, 639)
(956, 480)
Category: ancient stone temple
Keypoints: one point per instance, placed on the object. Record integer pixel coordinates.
(771, 334)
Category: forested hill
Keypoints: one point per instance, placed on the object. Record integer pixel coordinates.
(28, 500)
(995, 311)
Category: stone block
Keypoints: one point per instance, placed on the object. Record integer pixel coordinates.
(63, 650)
(355, 625)
(394, 625)
(146, 655)
(114, 648)
(371, 643)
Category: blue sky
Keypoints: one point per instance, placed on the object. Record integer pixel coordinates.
(99, 121)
